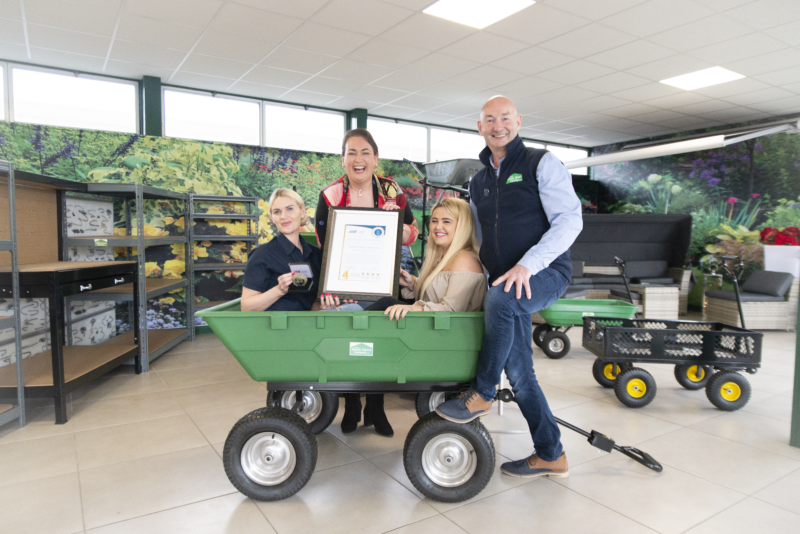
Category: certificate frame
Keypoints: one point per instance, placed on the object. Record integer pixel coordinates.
(338, 219)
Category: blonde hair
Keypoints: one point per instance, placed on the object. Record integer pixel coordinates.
(288, 193)
(463, 239)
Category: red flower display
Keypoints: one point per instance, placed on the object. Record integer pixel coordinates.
(786, 240)
(788, 236)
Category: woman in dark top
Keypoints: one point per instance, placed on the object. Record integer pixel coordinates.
(361, 188)
(267, 276)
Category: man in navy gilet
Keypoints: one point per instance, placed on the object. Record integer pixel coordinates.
(529, 216)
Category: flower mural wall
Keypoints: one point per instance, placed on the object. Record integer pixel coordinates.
(184, 166)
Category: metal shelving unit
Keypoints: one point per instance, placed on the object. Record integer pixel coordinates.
(251, 204)
(155, 342)
(10, 412)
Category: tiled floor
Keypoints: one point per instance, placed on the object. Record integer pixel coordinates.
(141, 454)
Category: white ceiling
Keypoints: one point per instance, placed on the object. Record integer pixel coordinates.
(582, 72)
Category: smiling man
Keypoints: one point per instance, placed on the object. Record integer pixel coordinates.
(529, 216)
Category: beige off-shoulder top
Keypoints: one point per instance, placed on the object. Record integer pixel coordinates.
(452, 291)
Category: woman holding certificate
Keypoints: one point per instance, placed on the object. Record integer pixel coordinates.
(361, 188)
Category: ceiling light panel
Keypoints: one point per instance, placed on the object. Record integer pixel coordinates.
(703, 78)
(477, 13)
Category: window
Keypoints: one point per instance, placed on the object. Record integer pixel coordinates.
(398, 141)
(568, 154)
(211, 118)
(532, 144)
(450, 144)
(301, 129)
(43, 97)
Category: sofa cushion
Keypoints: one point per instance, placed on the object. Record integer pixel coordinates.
(659, 281)
(609, 286)
(574, 293)
(624, 294)
(605, 278)
(745, 296)
(577, 269)
(582, 281)
(646, 269)
(768, 283)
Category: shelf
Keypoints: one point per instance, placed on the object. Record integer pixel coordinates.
(8, 413)
(7, 322)
(155, 287)
(225, 238)
(129, 190)
(160, 341)
(230, 216)
(6, 245)
(124, 241)
(219, 266)
(223, 198)
(6, 408)
(79, 360)
(5, 166)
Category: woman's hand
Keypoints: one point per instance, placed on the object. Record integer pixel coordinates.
(407, 280)
(328, 302)
(391, 206)
(399, 311)
(284, 281)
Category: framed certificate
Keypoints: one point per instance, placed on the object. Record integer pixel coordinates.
(361, 260)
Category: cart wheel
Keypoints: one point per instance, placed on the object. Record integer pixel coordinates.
(539, 333)
(319, 407)
(728, 390)
(446, 461)
(555, 344)
(635, 388)
(692, 376)
(270, 454)
(605, 374)
(427, 401)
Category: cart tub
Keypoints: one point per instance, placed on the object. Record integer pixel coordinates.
(325, 346)
(570, 312)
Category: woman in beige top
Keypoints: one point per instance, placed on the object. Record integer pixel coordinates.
(452, 278)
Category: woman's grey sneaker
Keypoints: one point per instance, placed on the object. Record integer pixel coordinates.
(464, 408)
(536, 467)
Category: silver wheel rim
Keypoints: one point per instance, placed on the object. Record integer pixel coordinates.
(312, 404)
(449, 460)
(435, 400)
(556, 345)
(268, 459)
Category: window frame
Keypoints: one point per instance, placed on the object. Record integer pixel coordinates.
(407, 123)
(273, 103)
(9, 77)
(4, 78)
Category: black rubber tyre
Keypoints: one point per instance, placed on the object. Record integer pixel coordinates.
(427, 401)
(728, 390)
(539, 332)
(635, 388)
(692, 377)
(270, 435)
(555, 344)
(605, 374)
(319, 407)
(431, 470)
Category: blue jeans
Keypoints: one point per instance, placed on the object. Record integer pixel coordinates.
(507, 346)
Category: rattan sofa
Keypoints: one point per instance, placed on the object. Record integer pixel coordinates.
(769, 302)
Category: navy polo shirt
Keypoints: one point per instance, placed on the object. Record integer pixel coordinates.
(271, 260)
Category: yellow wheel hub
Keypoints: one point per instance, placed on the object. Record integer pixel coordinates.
(608, 371)
(695, 373)
(730, 391)
(636, 388)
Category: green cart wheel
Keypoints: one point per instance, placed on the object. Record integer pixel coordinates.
(635, 388)
(691, 376)
(728, 390)
(555, 344)
(319, 407)
(539, 333)
(606, 374)
(270, 454)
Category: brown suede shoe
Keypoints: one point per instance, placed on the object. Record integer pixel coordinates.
(464, 408)
(536, 467)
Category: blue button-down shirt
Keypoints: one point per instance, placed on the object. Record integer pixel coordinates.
(562, 207)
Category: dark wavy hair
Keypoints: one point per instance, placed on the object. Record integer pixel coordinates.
(364, 134)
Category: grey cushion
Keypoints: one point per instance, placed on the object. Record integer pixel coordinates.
(619, 287)
(605, 278)
(577, 269)
(573, 293)
(624, 294)
(660, 281)
(768, 283)
(646, 269)
(582, 281)
(745, 296)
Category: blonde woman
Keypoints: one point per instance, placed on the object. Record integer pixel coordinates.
(267, 276)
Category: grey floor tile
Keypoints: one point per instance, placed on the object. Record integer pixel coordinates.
(757, 431)
(749, 516)
(784, 493)
(33, 459)
(51, 505)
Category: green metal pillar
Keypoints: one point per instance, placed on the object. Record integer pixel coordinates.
(794, 439)
(360, 115)
(151, 106)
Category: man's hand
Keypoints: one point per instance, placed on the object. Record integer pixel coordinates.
(518, 275)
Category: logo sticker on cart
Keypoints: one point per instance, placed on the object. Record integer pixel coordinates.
(361, 349)
(587, 314)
